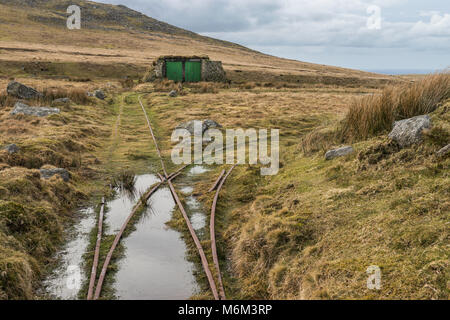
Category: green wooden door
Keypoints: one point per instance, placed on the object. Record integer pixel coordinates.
(174, 71)
(193, 71)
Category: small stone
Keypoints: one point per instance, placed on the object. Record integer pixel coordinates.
(49, 173)
(22, 108)
(173, 93)
(99, 94)
(409, 131)
(206, 125)
(12, 148)
(61, 102)
(340, 152)
(444, 151)
(210, 124)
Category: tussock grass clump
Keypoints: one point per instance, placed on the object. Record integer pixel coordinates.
(165, 85)
(148, 74)
(78, 96)
(205, 87)
(36, 231)
(6, 100)
(124, 180)
(127, 83)
(375, 114)
(437, 136)
(248, 85)
(317, 140)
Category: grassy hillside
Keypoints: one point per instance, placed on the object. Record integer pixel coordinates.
(34, 32)
(309, 232)
(312, 231)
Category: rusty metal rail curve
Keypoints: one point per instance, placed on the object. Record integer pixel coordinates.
(101, 279)
(217, 181)
(200, 250)
(212, 222)
(97, 251)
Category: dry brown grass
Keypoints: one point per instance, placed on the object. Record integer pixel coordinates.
(37, 42)
(127, 83)
(375, 114)
(164, 85)
(205, 87)
(78, 96)
(6, 100)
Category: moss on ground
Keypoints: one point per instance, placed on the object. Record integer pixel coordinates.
(34, 211)
(312, 231)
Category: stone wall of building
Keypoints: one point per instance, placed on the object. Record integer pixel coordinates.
(156, 71)
(159, 69)
(213, 71)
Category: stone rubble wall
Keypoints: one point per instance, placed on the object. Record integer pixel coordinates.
(213, 71)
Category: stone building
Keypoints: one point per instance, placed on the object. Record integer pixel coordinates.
(186, 69)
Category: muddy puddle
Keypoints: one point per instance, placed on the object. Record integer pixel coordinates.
(65, 281)
(154, 266)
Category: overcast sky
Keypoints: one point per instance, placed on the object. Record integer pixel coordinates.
(410, 34)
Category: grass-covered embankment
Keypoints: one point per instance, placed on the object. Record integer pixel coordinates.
(314, 229)
(34, 211)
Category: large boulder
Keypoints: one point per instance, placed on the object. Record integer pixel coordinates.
(49, 173)
(340, 152)
(408, 132)
(206, 125)
(11, 148)
(22, 108)
(22, 91)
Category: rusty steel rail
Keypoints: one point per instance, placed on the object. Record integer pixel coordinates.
(176, 173)
(97, 251)
(101, 279)
(200, 250)
(154, 139)
(212, 223)
(217, 182)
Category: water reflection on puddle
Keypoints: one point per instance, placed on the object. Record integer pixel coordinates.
(121, 207)
(187, 190)
(193, 206)
(198, 170)
(155, 266)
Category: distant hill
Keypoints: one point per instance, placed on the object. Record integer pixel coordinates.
(115, 34)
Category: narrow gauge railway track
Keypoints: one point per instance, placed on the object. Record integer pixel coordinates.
(167, 178)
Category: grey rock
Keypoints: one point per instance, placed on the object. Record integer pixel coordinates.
(49, 173)
(12, 148)
(408, 132)
(99, 94)
(340, 152)
(444, 151)
(22, 91)
(173, 93)
(61, 102)
(206, 125)
(210, 124)
(22, 108)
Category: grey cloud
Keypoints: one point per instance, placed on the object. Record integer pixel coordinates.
(326, 24)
